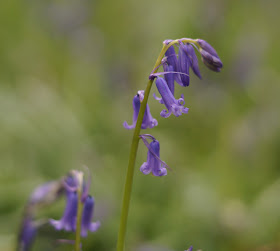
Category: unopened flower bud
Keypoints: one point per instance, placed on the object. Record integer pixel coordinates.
(209, 56)
(212, 62)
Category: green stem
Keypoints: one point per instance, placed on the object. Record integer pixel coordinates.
(134, 148)
(79, 214)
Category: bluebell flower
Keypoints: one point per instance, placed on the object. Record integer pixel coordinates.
(87, 216)
(209, 56)
(154, 164)
(148, 120)
(68, 221)
(189, 50)
(27, 234)
(190, 249)
(171, 59)
(173, 105)
(184, 65)
(169, 78)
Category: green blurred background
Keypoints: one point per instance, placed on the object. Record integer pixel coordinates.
(68, 72)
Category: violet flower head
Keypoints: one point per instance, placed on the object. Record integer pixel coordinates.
(190, 249)
(27, 234)
(68, 221)
(87, 216)
(154, 164)
(209, 56)
(175, 106)
(148, 120)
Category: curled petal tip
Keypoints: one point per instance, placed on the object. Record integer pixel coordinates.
(165, 114)
(94, 226)
(127, 126)
(145, 168)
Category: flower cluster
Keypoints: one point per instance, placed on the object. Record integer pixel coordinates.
(68, 220)
(47, 194)
(176, 68)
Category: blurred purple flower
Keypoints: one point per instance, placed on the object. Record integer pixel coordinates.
(173, 105)
(46, 193)
(148, 120)
(190, 249)
(154, 164)
(68, 221)
(27, 234)
(87, 216)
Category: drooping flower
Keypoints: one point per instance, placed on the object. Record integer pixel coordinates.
(87, 216)
(154, 164)
(171, 59)
(173, 105)
(209, 56)
(27, 234)
(169, 78)
(189, 50)
(184, 65)
(148, 120)
(72, 183)
(68, 220)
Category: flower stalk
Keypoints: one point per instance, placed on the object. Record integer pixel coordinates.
(135, 142)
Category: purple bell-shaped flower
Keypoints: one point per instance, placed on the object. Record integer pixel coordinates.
(173, 105)
(171, 59)
(148, 120)
(68, 221)
(169, 78)
(27, 234)
(154, 164)
(189, 50)
(87, 216)
(183, 65)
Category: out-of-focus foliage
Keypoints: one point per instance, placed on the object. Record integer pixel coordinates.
(69, 70)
